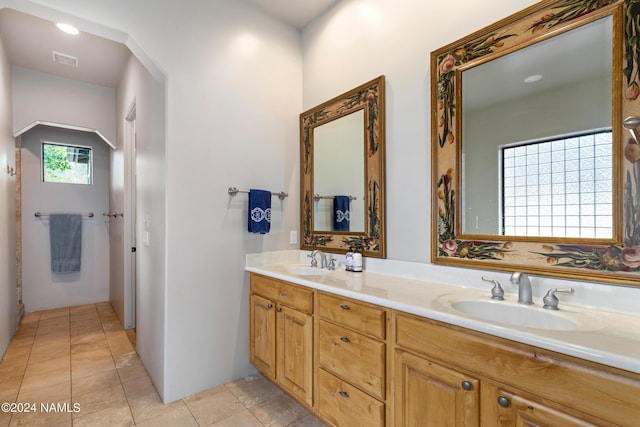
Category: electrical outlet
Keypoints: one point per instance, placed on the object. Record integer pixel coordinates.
(293, 237)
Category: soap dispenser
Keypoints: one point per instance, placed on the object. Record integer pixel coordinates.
(348, 260)
(357, 261)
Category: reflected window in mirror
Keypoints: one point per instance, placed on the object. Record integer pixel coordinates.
(561, 187)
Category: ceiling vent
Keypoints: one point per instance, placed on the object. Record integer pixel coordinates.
(61, 58)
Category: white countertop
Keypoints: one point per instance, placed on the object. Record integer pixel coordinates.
(610, 338)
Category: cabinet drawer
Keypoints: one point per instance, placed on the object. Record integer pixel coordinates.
(353, 356)
(290, 295)
(363, 317)
(344, 405)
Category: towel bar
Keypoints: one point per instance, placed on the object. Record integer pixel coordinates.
(318, 197)
(40, 215)
(233, 191)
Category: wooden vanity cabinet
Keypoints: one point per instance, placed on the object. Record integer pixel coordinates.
(517, 384)
(281, 334)
(352, 359)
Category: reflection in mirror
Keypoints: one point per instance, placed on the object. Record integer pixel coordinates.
(338, 168)
(537, 141)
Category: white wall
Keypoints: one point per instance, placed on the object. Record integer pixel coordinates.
(361, 39)
(8, 300)
(139, 86)
(233, 93)
(44, 97)
(42, 289)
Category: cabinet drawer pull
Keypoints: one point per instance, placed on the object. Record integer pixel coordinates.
(345, 307)
(466, 385)
(269, 306)
(343, 393)
(344, 339)
(279, 309)
(503, 401)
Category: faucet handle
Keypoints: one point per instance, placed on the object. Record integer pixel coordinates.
(314, 261)
(332, 263)
(496, 292)
(551, 301)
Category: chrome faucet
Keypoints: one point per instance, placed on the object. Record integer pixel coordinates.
(525, 295)
(314, 261)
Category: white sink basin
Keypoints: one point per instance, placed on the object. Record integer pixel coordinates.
(508, 313)
(305, 270)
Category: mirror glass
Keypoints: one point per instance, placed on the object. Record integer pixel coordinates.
(536, 138)
(342, 188)
(338, 170)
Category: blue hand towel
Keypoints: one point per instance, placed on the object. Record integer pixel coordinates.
(341, 213)
(65, 235)
(259, 211)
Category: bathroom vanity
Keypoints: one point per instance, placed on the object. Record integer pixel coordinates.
(381, 350)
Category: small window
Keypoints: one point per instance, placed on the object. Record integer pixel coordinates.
(66, 164)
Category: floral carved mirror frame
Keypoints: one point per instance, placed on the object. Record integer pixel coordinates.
(615, 260)
(370, 97)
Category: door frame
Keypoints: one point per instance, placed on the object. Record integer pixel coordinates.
(129, 217)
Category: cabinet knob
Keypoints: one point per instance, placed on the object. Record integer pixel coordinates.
(466, 385)
(503, 401)
(269, 306)
(344, 339)
(279, 309)
(343, 393)
(345, 307)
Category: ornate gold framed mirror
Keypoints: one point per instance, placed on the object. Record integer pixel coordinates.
(342, 146)
(531, 167)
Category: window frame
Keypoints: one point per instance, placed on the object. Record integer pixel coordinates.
(64, 144)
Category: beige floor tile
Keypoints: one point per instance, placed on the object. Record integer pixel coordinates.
(253, 390)
(176, 415)
(5, 419)
(56, 394)
(308, 421)
(11, 382)
(279, 411)
(54, 313)
(98, 342)
(100, 398)
(130, 367)
(214, 405)
(242, 419)
(148, 406)
(87, 337)
(119, 343)
(37, 419)
(117, 416)
(90, 363)
(81, 386)
(47, 373)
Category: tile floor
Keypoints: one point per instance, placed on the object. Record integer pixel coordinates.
(81, 359)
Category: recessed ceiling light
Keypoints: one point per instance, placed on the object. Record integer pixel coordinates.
(532, 78)
(69, 29)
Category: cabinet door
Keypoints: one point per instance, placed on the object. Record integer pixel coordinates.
(427, 394)
(506, 409)
(295, 352)
(262, 335)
